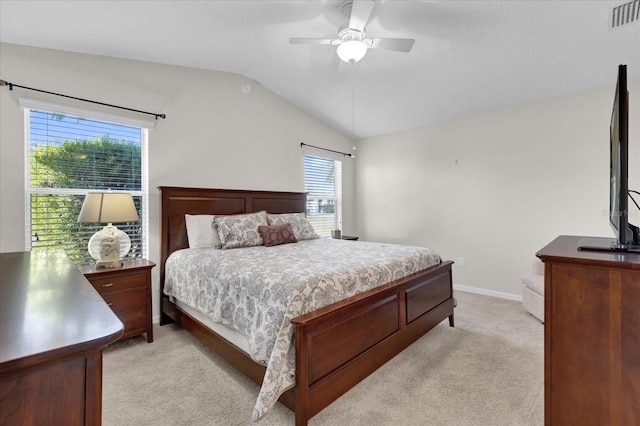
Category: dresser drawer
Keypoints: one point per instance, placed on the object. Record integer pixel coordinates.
(126, 300)
(118, 283)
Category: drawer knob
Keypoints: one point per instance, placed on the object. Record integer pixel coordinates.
(107, 285)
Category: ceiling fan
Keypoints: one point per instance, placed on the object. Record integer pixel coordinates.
(352, 42)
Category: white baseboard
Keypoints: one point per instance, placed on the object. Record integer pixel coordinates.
(492, 293)
(156, 319)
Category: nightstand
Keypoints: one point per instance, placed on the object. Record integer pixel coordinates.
(127, 291)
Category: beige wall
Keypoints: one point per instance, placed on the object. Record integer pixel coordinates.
(497, 187)
(493, 188)
(214, 135)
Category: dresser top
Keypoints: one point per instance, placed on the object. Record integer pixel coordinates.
(564, 249)
(48, 308)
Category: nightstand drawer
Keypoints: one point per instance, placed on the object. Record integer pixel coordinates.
(123, 282)
(133, 320)
(126, 300)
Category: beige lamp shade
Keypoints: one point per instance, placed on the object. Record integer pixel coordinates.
(109, 245)
(108, 207)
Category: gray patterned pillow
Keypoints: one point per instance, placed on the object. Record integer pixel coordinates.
(240, 230)
(302, 229)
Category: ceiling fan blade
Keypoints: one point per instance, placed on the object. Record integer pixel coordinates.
(397, 44)
(311, 41)
(360, 13)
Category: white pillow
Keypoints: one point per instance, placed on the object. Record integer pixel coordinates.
(200, 232)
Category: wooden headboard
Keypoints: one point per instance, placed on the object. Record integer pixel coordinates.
(178, 201)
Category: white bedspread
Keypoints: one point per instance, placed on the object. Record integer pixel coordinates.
(258, 290)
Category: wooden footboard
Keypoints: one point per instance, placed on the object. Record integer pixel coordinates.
(341, 344)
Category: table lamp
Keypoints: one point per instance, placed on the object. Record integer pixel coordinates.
(109, 245)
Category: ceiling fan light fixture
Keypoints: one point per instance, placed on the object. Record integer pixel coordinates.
(352, 50)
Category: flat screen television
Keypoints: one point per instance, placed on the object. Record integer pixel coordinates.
(626, 234)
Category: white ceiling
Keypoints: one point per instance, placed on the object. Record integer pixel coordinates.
(469, 56)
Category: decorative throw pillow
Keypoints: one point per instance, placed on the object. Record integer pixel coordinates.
(277, 234)
(240, 230)
(302, 229)
(200, 232)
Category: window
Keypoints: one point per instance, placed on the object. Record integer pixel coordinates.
(68, 156)
(323, 184)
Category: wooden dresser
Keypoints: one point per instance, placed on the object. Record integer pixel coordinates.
(53, 329)
(127, 291)
(592, 335)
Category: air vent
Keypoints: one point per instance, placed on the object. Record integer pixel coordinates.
(625, 14)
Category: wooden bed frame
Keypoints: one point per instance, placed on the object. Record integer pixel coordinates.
(336, 346)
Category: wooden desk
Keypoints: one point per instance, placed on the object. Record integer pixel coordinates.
(591, 335)
(53, 328)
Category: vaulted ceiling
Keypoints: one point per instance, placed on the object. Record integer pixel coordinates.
(469, 56)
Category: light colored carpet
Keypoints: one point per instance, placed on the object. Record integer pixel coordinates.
(488, 370)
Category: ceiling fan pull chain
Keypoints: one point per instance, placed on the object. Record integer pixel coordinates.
(353, 99)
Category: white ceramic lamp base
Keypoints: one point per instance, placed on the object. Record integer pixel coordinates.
(109, 246)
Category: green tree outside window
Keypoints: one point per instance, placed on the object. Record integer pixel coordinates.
(63, 169)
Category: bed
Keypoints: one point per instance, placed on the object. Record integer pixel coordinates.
(370, 328)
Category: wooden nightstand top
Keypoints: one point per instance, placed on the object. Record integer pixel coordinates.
(138, 263)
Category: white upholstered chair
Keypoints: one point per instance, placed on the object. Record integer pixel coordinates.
(533, 290)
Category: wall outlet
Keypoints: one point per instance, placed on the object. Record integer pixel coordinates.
(462, 262)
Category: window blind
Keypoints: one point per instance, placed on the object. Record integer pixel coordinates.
(69, 156)
(323, 184)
